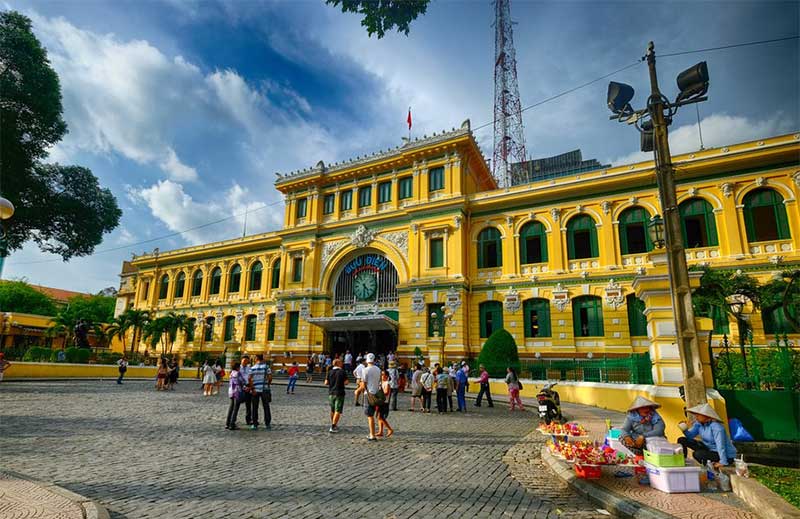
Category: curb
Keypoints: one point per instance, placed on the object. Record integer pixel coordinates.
(760, 498)
(611, 501)
(91, 509)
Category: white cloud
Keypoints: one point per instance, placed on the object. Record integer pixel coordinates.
(718, 130)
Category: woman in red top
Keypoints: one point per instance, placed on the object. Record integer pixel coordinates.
(293, 371)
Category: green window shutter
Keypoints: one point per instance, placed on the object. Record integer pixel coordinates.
(293, 322)
(271, 328)
(498, 316)
(384, 192)
(405, 187)
(197, 283)
(346, 200)
(436, 179)
(179, 282)
(300, 208)
(163, 287)
(540, 308)
(593, 240)
(216, 280)
(250, 328)
(190, 330)
(297, 270)
(749, 224)
(236, 278)
(364, 196)
(328, 204)
(276, 273)
(255, 276)
(436, 252)
(228, 329)
(782, 221)
(711, 225)
(637, 321)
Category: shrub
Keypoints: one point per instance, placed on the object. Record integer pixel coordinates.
(499, 353)
(108, 357)
(78, 355)
(37, 354)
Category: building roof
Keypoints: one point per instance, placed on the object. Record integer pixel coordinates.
(59, 294)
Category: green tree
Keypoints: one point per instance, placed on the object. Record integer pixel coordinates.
(784, 291)
(137, 321)
(93, 309)
(118, 327)
(19, 296)
(499, 353)
(717, 287)
(61, 208)
(153, 333)
(380, 16)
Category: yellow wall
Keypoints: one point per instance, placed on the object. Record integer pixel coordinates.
(21, 370)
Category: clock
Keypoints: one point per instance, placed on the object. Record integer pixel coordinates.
(364, 285)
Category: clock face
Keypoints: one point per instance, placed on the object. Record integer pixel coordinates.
(364, 285)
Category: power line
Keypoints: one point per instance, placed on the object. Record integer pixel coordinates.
(732, 46)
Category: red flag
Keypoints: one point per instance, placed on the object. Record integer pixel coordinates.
(408, 120)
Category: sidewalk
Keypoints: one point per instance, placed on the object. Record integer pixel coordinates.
(23, 497)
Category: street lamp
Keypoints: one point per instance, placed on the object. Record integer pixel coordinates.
(738, 306)
(653, 121)
(439, 325)
(656, 230)
(6, 212)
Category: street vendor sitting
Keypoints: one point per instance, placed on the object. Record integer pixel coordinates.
(641, 422)
(715, 444)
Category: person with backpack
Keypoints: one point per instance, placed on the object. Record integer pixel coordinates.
(261, 377)
(442, 381)
(426, 381)
(374, 396)
(236, 394)
(123, 367)
(384, 429)
(336, 380)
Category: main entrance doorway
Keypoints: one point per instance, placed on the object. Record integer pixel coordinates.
(370, 341)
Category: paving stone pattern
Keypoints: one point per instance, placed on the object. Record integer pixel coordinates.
(143, 453)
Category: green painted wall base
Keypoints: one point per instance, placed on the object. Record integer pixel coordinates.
(767, 415)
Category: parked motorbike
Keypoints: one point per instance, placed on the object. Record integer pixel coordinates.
(549, 404)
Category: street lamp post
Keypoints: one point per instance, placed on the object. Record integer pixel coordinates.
(439, 325)
(6, 212)
(738, 306)
(652, 122)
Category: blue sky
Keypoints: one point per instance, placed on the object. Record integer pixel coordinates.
(186, 110)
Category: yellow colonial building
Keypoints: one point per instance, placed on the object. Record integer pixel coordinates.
(373, 246)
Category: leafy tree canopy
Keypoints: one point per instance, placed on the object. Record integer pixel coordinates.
(499, 353)
(716, 286)
(380, 16)
(94, 309)
(18, 296)
(62, 208)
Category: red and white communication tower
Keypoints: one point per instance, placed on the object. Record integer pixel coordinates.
(509, 134)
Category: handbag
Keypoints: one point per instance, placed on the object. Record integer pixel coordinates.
(376, 399)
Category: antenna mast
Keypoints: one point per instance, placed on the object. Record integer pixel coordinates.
(509, 133)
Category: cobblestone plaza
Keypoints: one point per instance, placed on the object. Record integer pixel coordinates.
(142, 453)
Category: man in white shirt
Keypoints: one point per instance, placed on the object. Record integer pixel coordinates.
(371, 376)
(358, 373)
(247, 399)
(348, 362)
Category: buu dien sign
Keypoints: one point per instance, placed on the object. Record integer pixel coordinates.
(372, 262)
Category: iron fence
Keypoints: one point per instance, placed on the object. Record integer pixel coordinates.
(775, 366)
(634, 369)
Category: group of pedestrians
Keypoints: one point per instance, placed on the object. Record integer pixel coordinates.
(166, 375)
(251, 386)
(212, 374)
(444, 381)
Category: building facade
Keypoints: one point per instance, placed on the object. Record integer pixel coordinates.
(415, 247)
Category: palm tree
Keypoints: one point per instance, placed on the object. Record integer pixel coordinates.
(62, 325)
(101, 336)
(119, 327)
(137, 320)
(153, 332)
(177, 323)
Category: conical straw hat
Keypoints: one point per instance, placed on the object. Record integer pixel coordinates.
(643, 402)
(705, 410)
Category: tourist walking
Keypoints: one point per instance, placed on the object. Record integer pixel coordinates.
(235, 393)
(220, 374)
(483, 380)
(209, 378)
(514, 387)
(293, 375)
(310, 369)
(348, 362)
(442, 380)
(371, 377)
(402, 378)
(123, 367)
(4, 365)
(384, 429)
(161, 374)
(426, 381)
(336, 380)
(172, 374)
(328, 364)
(359, 374)
(247, 389)
(416, 388)
(461, 390)
(393, 384)
(261, 383)
(451, 387)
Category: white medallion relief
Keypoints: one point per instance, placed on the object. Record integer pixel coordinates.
(417, 302)
(362, 236)
(614, 297)
(399, 239)
(511, 302)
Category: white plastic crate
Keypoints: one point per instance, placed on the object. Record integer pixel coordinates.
(674, 480)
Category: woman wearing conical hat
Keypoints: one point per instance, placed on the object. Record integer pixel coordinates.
(642, 422)
(715, 445)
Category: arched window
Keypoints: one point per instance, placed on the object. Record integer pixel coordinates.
(637, 321)
(532, 243)
(491, 317)
(255, 276)
(236, 279)
(582, 237)
(633, 235)
(228, 328)
(587, 316)
(775, 321)
(536, 317)
(490, 248)
(190, 330)
(765, 216)
(216, 281)
(197, 283)
(276, 273)
(208, 333)
(163, 287)
(698, 224)
(180, 281)
(250, 328)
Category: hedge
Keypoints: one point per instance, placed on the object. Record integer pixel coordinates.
(499, 353)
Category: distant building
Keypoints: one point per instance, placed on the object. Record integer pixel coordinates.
(565, 164)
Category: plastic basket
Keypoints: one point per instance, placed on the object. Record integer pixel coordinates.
(664, 460)
(588, 471)
(675, 479)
